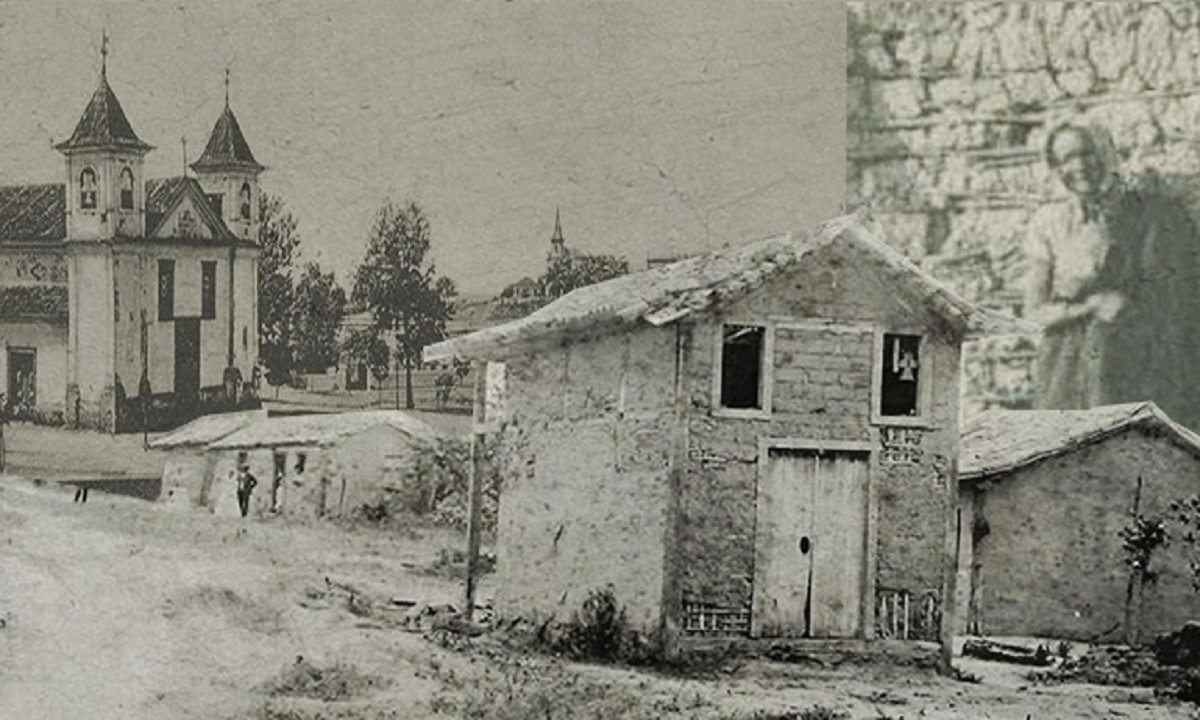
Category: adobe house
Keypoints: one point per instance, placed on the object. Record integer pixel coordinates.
(1044, 495)
(187, 466)
(755, 442)
(328, 464)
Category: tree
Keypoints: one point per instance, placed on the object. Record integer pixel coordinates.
(366, 345)
(566, 270)
(398, 282)
(318, 305)
(1140, 539)
(279, 242)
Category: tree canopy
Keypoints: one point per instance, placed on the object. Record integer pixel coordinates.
(566, 270)
(318, 306)
(398, 282)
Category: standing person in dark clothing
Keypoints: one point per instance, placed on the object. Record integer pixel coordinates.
(245, 486)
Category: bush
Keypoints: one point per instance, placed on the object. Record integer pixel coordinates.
(599, 630)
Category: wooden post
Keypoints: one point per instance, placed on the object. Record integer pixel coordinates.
(949, 566)
(475, 496)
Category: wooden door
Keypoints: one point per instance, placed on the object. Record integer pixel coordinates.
(22, 378)
(187, 359)
(810, 544)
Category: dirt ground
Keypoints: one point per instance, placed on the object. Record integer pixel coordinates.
(122, 609)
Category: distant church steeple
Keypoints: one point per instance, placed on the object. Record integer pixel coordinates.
(228, 172)
(557, 243)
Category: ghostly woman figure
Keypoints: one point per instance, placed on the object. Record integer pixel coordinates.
(1111, 277)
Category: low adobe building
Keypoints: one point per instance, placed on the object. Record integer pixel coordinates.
(757, 442)
(316, 465)
(1044, 495)
(186, 471)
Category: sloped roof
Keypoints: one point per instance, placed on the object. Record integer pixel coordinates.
(163, 195)
(103, 124)
(33, 213)
(207, 429)
(227, 147)
(322, 429)
(33, 302)
(1000, 441)
(667, 293)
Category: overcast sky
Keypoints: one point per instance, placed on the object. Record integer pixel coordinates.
(657, 127)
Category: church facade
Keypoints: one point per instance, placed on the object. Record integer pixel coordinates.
(125, 301)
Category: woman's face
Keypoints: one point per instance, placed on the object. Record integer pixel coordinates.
(1076, 162)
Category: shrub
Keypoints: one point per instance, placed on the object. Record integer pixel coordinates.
(599, 630)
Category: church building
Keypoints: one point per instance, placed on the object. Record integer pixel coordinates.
(126, 301)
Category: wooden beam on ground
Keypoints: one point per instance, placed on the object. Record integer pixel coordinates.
(475, 495)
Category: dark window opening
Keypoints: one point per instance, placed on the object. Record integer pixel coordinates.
(126, 189)
(87, 189)
(741, 366)
(166, 289)
(301, 460)
(214, 202)
(245, 339)
(280, 464)
(241, 461)
(901, 376)
(208, 290)
(245, 197)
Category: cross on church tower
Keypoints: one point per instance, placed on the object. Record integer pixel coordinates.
(104, 53)
(226, 87)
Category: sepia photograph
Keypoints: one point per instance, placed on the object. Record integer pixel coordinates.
(505, 359)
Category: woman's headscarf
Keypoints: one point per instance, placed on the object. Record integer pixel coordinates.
(1102, 146)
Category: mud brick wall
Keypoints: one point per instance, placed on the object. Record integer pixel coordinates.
(584, 458)
(949, 106)
(1052, 564)
(822, 390)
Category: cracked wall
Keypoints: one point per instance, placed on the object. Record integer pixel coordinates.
(948, 108)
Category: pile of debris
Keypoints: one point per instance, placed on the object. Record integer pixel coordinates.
(1004, 652)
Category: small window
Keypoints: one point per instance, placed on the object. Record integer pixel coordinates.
(116, 303)
(215, 202)
(245, 339)
(899, 389)
(280, 464)
(87, 189)
(208, 289)
(301, 461)
(242, 458)
(245, 198)
(126, 189)
(166, 289)
(742, 350)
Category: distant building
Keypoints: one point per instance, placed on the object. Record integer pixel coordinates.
(1043, 496)
(116, 289)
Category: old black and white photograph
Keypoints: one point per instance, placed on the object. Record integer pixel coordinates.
(507, 359)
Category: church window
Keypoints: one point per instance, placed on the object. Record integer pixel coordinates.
(208, 290)
(166, 289)
(215, 202)
(87, 189)
(126, 189)
(902, 376)
(245, 196)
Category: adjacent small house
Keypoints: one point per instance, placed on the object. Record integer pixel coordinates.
(187, 470)
(760, 441)
(1043, 498)
(316, 465)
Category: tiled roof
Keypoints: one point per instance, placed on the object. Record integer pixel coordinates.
(103, 124)
(667, 293)
(207, 429)
(1000, 441)
(163, 194)
(227, 146)
(33, 213)
(25, 302)
(323, 429)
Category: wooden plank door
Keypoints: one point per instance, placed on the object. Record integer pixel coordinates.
(810, 545)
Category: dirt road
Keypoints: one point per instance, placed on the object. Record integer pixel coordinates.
(122, 609)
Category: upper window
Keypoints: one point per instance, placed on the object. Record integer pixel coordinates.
(215, 201)
(743, 369)
(166, 289)
(245, 198)
(87, 189)
(126, 189)
(901, 377)
(208, 289)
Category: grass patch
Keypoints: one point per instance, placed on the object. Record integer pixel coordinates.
(333, 683)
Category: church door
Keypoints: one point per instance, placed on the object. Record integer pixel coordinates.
(22, 378)
(187, 359)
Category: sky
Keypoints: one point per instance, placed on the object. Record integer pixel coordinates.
(662, 127)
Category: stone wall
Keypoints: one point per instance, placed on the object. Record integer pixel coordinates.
(1052, 564)
(949, 106)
